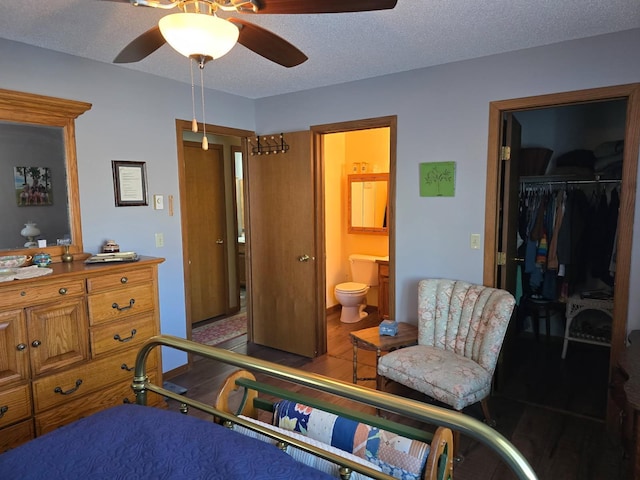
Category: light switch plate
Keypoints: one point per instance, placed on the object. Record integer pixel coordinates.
(158, 202)
(475, 241)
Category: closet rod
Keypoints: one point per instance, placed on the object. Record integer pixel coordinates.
(541, 181)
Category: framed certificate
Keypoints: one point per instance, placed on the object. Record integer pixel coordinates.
(129, 183)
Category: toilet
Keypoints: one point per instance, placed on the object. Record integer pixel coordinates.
(353, 295)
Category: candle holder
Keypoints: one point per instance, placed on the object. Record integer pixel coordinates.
(66, 257)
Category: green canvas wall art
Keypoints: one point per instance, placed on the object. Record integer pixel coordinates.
(438, 179)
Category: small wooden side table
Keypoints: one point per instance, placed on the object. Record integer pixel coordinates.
(370, 339)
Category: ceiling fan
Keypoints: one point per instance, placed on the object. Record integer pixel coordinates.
(220, 35)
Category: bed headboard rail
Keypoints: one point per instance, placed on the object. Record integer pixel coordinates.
(381, 400)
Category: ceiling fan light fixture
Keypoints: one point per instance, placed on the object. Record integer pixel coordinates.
(198, 35)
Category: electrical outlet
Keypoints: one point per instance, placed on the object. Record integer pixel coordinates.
(475, 241)
(159, 240)
(158, 202)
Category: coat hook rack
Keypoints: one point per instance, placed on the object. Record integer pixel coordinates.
(269, 145)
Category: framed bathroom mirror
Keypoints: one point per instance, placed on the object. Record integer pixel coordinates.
(368, 203)
(38, 173)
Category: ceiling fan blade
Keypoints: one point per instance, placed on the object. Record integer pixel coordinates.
(324, 6)
(143, 3)
(141, 47)
(268, 44)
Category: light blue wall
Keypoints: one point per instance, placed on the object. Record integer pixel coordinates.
(442, 116)
(132, 118)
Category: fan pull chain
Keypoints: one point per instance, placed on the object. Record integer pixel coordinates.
(205, 142)
(194, 123)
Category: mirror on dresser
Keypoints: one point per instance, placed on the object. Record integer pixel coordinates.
(38, 172)
(368, 202)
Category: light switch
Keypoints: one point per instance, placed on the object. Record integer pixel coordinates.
(158, 202)
(159, 240)
(475, 241)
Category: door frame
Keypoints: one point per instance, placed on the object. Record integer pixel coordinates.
(317, 133)
(630, 93)
(181, 126)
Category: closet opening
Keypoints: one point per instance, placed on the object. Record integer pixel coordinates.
(569, 179)
(558, 234)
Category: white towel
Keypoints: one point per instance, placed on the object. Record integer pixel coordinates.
(24, 272)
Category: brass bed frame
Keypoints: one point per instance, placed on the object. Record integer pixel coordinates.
(439, 464)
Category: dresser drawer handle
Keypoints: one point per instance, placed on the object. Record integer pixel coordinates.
(70, 391)
(124, 280)
(20, 347)
(126, 339)
(3, 410)
(36, 343)
(124, 366)
(126, 401)
(62, 291)
(120, 309)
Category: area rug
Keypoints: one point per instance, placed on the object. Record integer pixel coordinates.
(215, 333)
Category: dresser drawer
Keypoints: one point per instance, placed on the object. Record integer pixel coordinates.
(16, 435)
(90, 404)
(121, 335)
(77, 382)
(120, 280)
(115, 304)
(30, 295)
(15, 405)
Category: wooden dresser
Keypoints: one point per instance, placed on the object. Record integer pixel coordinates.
(625, 393)
(68, 343)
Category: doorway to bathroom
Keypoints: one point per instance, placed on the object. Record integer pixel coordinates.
(275, 221)
(362, 150)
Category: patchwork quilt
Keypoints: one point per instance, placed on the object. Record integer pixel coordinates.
(398, 456)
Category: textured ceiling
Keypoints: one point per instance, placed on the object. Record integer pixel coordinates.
(341, 47)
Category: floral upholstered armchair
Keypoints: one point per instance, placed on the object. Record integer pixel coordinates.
(461, 327)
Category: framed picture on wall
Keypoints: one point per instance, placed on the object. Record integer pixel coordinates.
(129, 183)
(33, 186)
(438, 179)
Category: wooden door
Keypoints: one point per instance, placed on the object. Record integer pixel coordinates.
(508, 221)
(204, 219)
(58, 335)
(14, 351)
(507, 225)
(282, 247)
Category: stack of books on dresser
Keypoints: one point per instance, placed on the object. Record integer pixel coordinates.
(113, 257)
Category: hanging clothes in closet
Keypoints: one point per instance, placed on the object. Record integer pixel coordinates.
(566, 237)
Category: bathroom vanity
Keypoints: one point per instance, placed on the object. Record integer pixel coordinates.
(383, 289)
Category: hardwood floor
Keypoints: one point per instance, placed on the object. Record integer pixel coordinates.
(557, 444)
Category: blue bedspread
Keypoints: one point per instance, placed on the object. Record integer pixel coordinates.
(132, 441)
